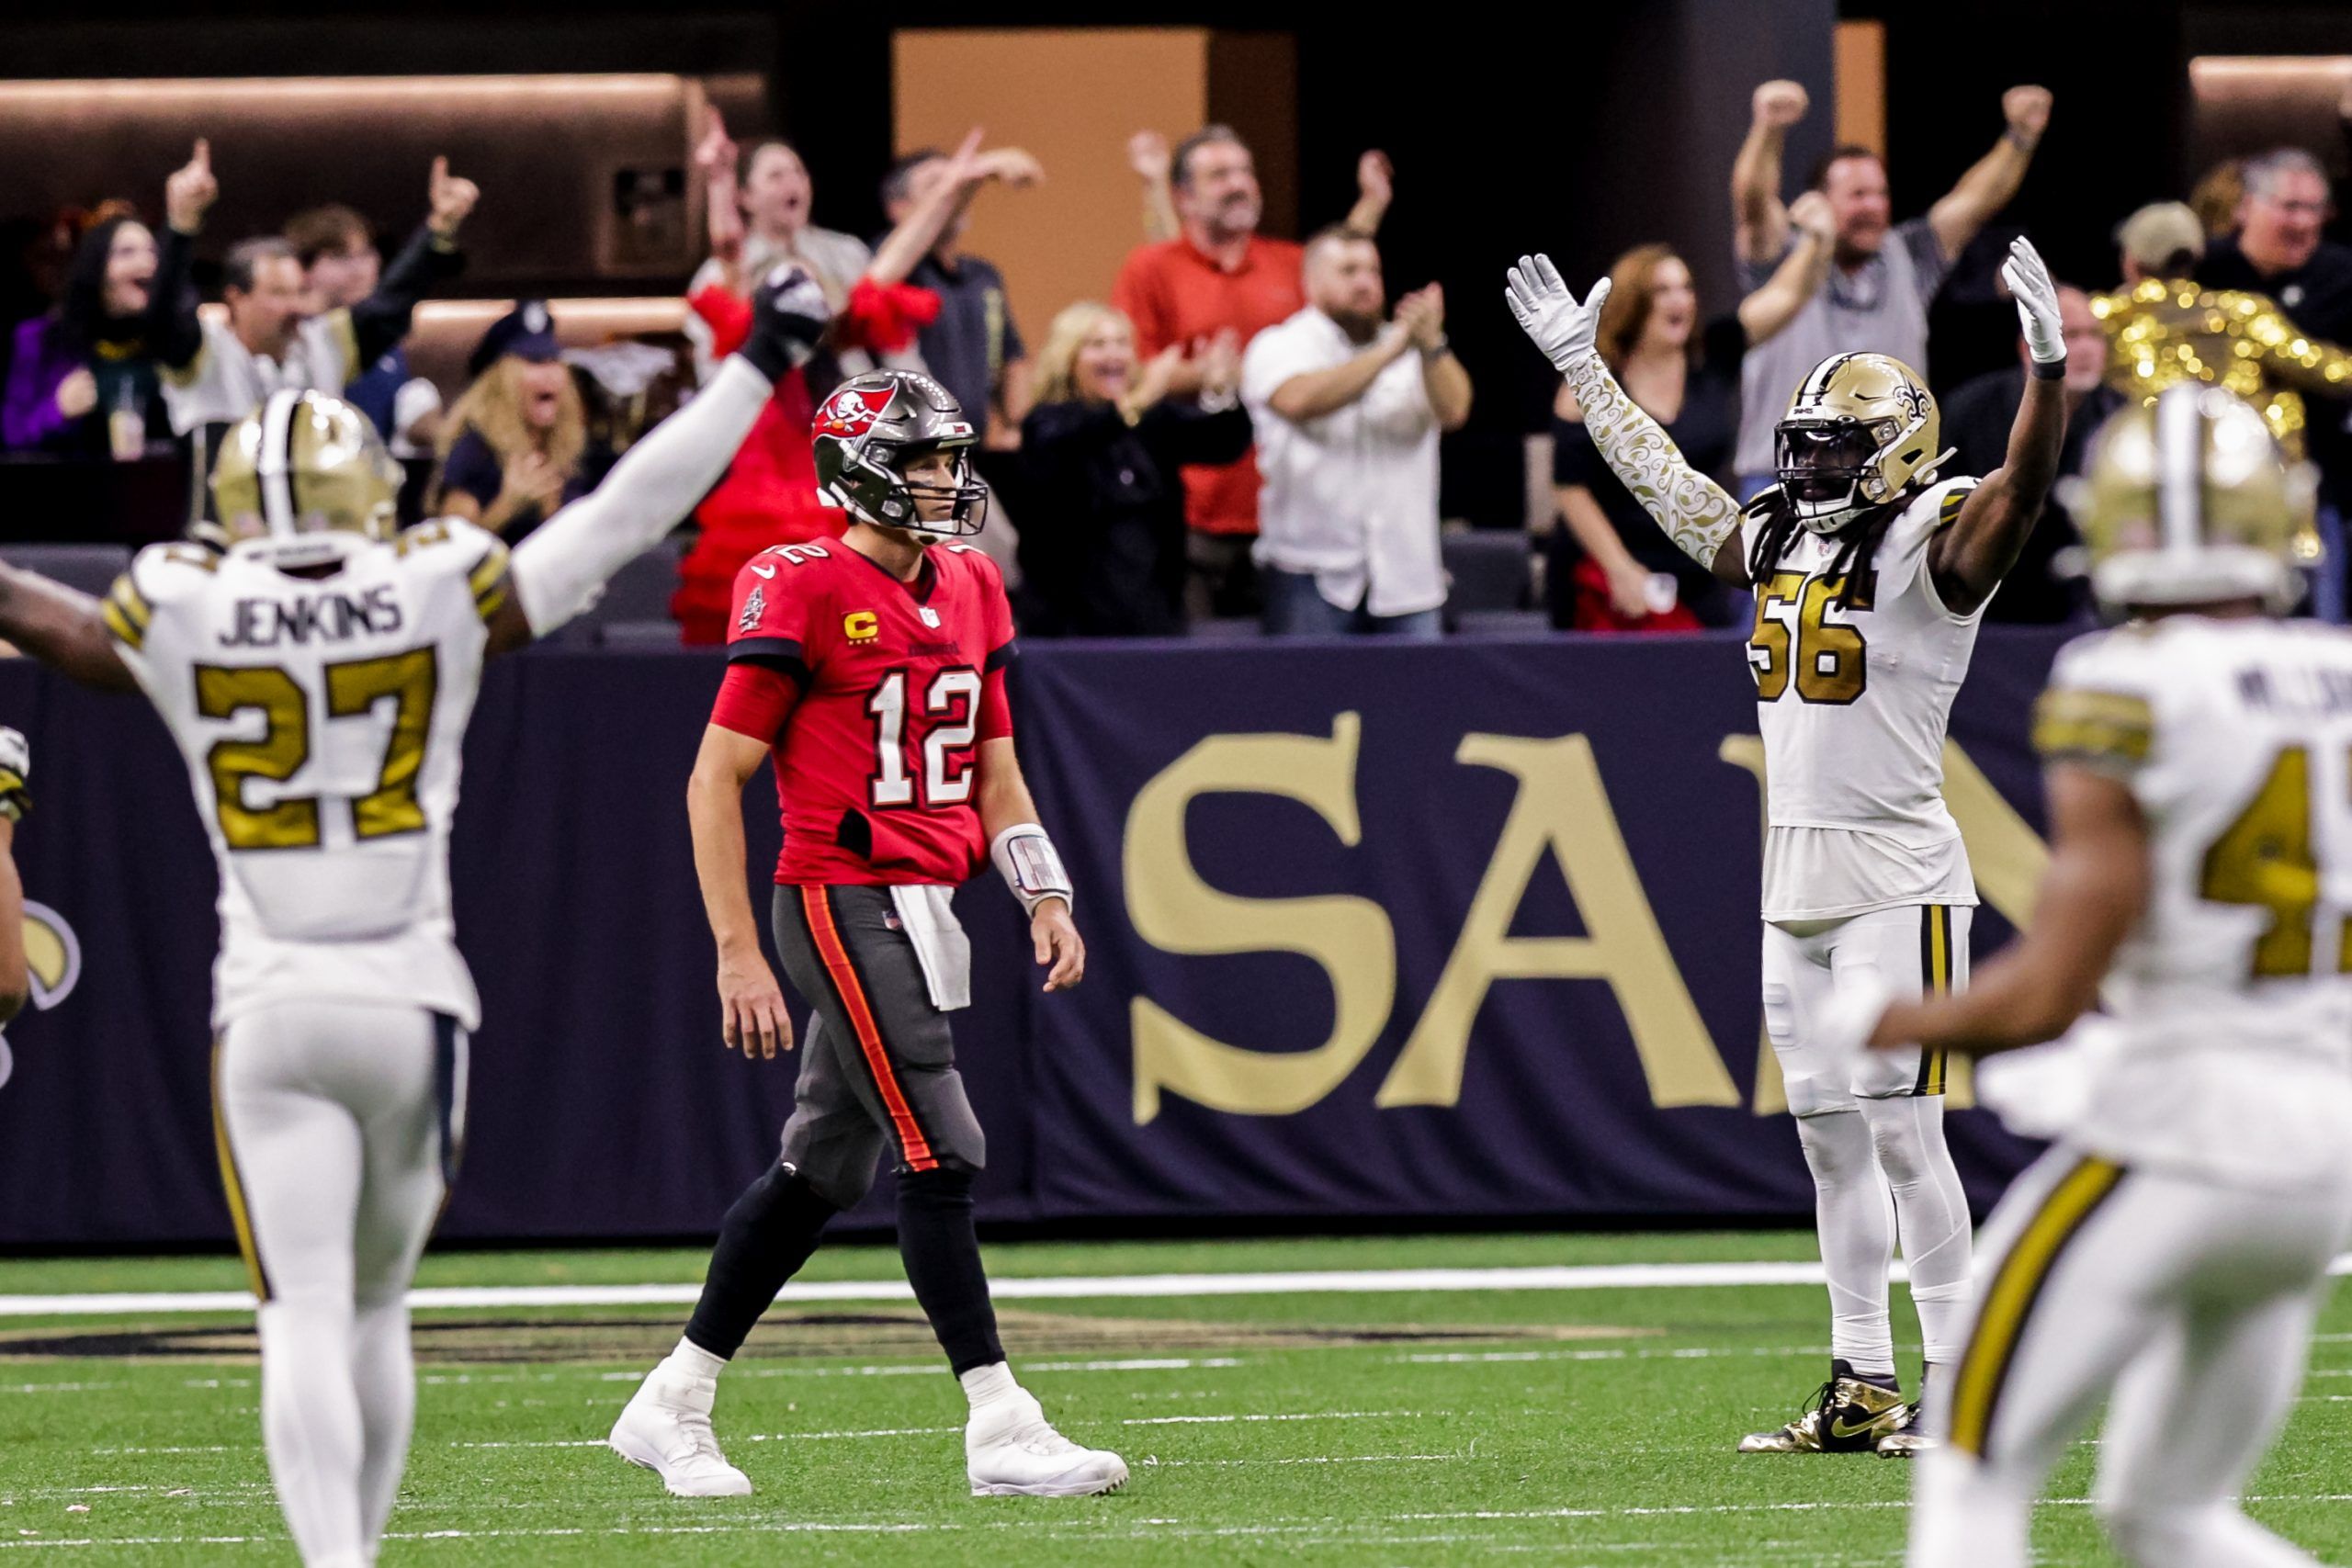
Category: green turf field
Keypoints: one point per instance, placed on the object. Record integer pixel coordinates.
(1579, 1426)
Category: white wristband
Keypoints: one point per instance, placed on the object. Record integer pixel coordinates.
(1024, 857)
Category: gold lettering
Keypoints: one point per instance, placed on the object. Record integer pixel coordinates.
(1171, 908)
(1562, 810)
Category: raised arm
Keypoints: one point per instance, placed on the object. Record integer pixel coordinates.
(1798, 276)
(1969, 559)
(174, 333)
(1760, 223)
(1147, 156)
(906, 245)
(1697, 513)
(564, 565)
(1993, 179)
(64, 627)
(430, 258)
(1375, 188)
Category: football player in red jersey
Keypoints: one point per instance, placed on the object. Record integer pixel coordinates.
(871, 669)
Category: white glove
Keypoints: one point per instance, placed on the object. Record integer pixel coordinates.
(1548, 314)
(2037, 298)
(1842, 1029)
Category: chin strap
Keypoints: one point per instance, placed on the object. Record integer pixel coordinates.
(1696, 512)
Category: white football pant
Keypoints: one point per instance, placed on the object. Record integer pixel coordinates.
(337, 1123)
(1873, 1129)
(2192, 1303)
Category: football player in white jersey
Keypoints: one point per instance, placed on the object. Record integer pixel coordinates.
(1871, 574)
(2172, 1247)
(317, 674)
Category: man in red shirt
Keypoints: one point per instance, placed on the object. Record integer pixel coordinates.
(871, 669)
(1220, 276)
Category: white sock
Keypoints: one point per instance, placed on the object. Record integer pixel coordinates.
(1931, 1215)
(989, 1385)
(384, 1374)
(691, 1360)
(311, 1424)
(1856, 1222)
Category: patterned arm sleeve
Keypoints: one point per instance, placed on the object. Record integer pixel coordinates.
(1696, 512)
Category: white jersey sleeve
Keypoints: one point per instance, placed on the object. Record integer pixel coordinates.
(2234, 1055)
(322, 720)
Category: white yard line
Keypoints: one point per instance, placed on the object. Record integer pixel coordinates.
(1343, 1282)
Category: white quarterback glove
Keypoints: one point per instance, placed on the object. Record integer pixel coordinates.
(1548, 314)
(15, 768)
(2037, 298)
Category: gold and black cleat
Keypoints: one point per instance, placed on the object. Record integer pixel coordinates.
(1847, 1416)
(1907, 1438)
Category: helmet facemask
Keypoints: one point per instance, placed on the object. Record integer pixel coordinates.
(963, 499)
(1860, 430)
(1829, 470)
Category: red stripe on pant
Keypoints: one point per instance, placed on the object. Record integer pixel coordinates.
(828, 938)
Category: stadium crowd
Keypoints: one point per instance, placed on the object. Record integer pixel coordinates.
(1244, 431)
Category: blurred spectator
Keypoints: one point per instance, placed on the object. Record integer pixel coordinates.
(513, 449)
(1875, 295)
(1609, 566)
(1348, 412)
(1220, 275)
(2163, 238)
(973, 349)
(82, 381)
(340, 267)
(2045, 587)
(759, 202)
(2277, 249)
(769, 494)
(218, 370)
(2217, 196)
(1102, 543)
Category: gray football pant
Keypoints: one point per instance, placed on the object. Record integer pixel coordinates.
(878, 1067)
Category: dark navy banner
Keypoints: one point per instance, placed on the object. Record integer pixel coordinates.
(1375, 931)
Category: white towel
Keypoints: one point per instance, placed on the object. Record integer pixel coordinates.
(941, 946)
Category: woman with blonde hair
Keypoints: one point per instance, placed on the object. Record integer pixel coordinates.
(1103, 536)
(512, 450)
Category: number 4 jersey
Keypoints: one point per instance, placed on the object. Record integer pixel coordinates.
(873, 695)
(2234, 1055)
(1853, 699)
(321, 719)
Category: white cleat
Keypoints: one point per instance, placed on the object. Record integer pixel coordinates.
(666, 1429)
(1018, 1454)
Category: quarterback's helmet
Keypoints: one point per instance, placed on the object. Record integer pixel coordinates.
(866, 431)
(304, 478)
(1862, 428)
(2188, 501)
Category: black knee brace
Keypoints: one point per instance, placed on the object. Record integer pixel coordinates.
(766, 1237)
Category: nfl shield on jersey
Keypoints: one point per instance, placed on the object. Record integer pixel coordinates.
(1854, 684)
(2232, 1059)
(320, 718)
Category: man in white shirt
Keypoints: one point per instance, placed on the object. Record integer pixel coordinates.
(1347, 410)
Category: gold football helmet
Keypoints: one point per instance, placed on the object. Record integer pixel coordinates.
(1861, 429)
(2187, 500)
(304, 477)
